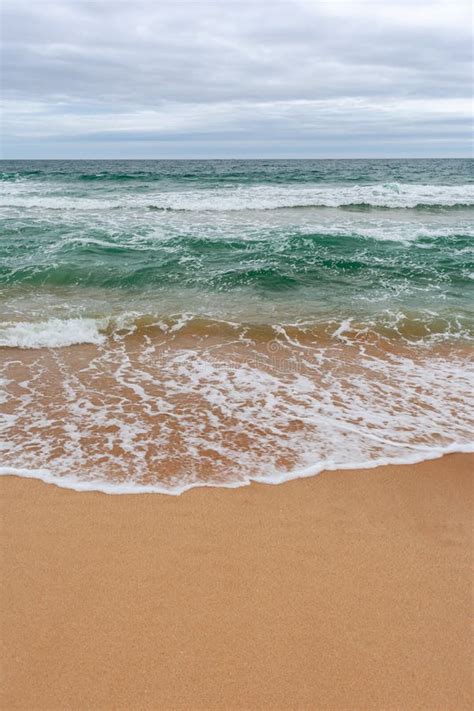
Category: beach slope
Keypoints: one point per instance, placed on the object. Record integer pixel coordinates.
(349, 590)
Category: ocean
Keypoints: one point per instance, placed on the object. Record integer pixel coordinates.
(172, 324)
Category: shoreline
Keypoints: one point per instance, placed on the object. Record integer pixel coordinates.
(346, 590)
(85, 487)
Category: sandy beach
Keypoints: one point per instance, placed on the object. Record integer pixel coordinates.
(349, 590)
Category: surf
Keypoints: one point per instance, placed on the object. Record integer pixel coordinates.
(167, 325)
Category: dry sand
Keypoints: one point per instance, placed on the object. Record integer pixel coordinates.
(350, 590)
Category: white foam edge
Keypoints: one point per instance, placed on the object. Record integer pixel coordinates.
(74, 483)
(52, 333)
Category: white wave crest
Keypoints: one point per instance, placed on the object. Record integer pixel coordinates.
(267, 197)
(53, 333)
(256, 197)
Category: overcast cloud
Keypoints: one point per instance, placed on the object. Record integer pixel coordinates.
(303, 78)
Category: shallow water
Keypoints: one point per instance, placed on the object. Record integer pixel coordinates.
(169, 324)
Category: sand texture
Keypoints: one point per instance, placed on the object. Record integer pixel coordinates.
(349, 590)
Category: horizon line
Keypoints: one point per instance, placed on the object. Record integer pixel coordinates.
(471, 157)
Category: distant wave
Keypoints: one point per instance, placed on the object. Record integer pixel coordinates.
(256, 197)
(306, 206)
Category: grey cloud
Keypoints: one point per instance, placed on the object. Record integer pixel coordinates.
(110, 60)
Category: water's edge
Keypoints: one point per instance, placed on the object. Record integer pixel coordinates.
(74, 484)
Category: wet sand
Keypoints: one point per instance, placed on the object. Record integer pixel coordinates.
(349, 590)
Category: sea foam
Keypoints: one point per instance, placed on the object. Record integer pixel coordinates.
(255, 197)
(53, 333)
(181, 410)
(77, 483)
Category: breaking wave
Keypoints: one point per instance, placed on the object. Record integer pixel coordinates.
(255, 197)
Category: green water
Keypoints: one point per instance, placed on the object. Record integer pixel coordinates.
(250, 240)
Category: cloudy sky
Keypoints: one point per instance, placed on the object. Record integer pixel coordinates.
(225, 78)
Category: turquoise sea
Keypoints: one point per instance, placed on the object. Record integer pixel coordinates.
(169, 324)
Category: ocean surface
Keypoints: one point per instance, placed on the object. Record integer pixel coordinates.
(171, 324)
